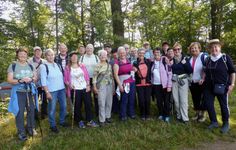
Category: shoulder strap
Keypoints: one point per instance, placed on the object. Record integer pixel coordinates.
(47, 70)
(96, 57)
(82, 58)
(40, 62)
(13, 67)
(60, 67)
(31, 67)
(225, 60)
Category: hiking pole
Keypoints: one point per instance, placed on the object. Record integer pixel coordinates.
(28, 107)
(73, 110)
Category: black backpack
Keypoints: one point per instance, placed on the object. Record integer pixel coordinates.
(14, 67)
(47, 70)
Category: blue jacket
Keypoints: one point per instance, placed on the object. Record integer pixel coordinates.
(13, 106)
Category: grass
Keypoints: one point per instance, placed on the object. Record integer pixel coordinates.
(133, 134)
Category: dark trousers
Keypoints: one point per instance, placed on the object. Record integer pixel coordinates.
(80, 96)
(27, 103)
(223, 100)
(127, 101)
(44, 105)
(144, 96)
(163, 100)
(197, 96)
(95, 97)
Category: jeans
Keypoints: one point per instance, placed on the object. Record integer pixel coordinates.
(59, 96)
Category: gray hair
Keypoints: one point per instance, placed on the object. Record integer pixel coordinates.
(47, 51)
(100, 52)
(90, 46)
(120, 49)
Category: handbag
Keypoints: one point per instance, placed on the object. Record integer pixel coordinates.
(219, 89)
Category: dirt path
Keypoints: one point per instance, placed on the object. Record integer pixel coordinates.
(218, 145)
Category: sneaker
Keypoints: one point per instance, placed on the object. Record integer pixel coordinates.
(22, 137)
(201, 119)
(54, 129)
(167, 119)
(160, 118)
(196, 116)
(213, 125)
(108, 120)
(92, 124)
(32, 132)
(225, 128)
(81, 125)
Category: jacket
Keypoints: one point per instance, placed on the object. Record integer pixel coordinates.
(148, 77)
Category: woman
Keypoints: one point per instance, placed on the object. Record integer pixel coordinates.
(76, 78)
(181, 69)
(142, 68)
(103, 86)
(22, 76)
(126, 85)
(196, 86)
(162, 84)
(53, 85)
(220, 79)
(90, 60)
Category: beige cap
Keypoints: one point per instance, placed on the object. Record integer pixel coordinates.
(214, 41)
(37, 48)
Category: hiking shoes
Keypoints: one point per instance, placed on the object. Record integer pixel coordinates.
(22, 137)
(81, 125)
(54, 129)
(213, 125)
(225, 128)
(167, 119)
(108, 120)
(92, 124)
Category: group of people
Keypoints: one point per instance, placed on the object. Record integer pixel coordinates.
(115, 79)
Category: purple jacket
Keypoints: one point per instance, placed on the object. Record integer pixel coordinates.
(67, 77)
(165, 73)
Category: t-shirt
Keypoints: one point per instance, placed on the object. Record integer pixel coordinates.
(156, 73)
(90, 62)
(77, 78)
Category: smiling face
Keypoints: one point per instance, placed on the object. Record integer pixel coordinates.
(215, 49)
(141, 54)
(157, 54)
(50, 56)
(37, 53)
(74, 58)
(22, 56)
(177, 51)
(63, 49)
(122, 54)
(170, 54)
(195, 50)
(103, 56)
(89, 49)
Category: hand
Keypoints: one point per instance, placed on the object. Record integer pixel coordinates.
(49, 96)
(88, 88)
(26, 79)
(168, 89)
(183, 61)
(231, 87)
(95, 90)
(201, 82)
(121, 89)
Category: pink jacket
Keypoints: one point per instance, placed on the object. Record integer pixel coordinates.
(67, 77)
(165, 73)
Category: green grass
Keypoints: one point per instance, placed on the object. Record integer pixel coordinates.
(133, 134)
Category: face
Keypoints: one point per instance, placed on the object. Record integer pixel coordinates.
(195, 50)
(165, 47)
(103, 56)
(63, 50)
(170, 54)
(133, 52)
(50, 57)
(89, 50)
(115, 55)
(108, 49)
(157, 54)
(81, 50)
(22, 56)
(74, 58)
(146, 46)
(38, 53)
(215, 49)
(141, 54)
(127, 50)
(122, 54)
(177, 51)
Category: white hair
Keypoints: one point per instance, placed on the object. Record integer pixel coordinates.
(120, 49)
(100, 52)
(47, 51)
(62, 45)
(90, 46)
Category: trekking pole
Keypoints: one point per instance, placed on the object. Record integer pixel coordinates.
(37, 117)
(73, 110)
(28, 107)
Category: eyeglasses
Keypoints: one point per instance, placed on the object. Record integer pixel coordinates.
(177, 49)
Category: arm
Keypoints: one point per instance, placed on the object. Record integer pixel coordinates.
(95, 76)
(43, 75)
(232, 79)
(116, 70)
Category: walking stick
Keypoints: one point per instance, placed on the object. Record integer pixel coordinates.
(73, 110)
(28, 107)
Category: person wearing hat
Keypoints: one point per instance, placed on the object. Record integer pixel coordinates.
(36, 61)
(148, 52)
(76, 78)
(220, 81)
(22, 76)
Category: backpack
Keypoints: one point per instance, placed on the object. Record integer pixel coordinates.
(96, 57)
(59, 66)
(14, 67)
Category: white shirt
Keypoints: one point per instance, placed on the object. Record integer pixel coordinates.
(156, 73)
(198, 68)
(77, 78)
(90, 63)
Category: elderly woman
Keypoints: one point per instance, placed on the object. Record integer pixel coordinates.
(142, 68)
(220, 78)
(22, 76)
(126, 85)
(162, 84)
(76, 78)
(103, 86)
(181, 69)
(53, 85)
(90, 60)
(196, 87)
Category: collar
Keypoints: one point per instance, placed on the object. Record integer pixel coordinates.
(215, 58)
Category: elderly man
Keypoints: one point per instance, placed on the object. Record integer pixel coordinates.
(148, 52)
(62, 58)
(36, 61)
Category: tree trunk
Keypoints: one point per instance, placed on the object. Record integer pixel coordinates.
(57, 38)
(82, 22)
(216, 13)
(117, 22)
(31, 22)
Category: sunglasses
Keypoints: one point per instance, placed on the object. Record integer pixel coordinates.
(177, 49)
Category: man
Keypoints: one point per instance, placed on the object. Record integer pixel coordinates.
(148, 52)
(62, 58)
(36, 61)
(81, 51)
(107, 47)
(165, 46)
